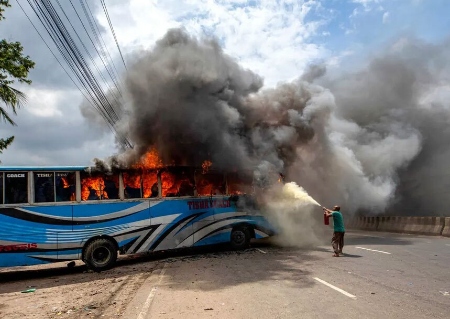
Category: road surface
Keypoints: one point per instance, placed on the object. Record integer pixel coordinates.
(380, 276)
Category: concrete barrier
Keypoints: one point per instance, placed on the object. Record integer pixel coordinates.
(370, 223)
(412, 225)
(386, 223)
(428, 225)
(446, 229)
(362, 223)
(354, 223)
(396, 224)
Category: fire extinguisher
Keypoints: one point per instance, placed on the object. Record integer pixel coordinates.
(326, 219)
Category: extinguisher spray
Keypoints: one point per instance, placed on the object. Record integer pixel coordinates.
(326, 218)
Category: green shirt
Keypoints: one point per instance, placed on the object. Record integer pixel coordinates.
(338, 222)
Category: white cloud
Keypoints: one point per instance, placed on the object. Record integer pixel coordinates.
(271, 38)
(367, 4)
(386, 17)
(45, 102)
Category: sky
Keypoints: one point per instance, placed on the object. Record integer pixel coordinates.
(275, 39)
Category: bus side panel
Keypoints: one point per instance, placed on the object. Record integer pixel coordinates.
(226, 220)
(183, 222)
(213, 231)
(172, 219)
(126, 222)
(29, 235)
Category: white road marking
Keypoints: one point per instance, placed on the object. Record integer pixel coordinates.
(335, 288)
(447, 244)
(261, 251)
(378, 251)
(151, 295)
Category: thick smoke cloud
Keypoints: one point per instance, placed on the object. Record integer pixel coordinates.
(186, 100)
(372, 140)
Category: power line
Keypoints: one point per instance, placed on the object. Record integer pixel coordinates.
(55, 27)
(73, 81)
(112, 30)
(87, 51)
(113, 77)
(98, 35)
(50, 29)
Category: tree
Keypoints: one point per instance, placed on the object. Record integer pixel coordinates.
(14, 66)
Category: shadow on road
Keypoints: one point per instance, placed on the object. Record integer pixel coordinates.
(260, 265)
(372, 238)
(349, 256)
(213, 267)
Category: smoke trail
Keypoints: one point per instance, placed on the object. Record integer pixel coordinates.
(370, 140)
(293, 191)
(291, 209)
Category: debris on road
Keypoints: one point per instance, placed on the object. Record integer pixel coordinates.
(28, 290)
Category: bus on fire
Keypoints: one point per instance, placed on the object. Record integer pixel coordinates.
(52, 214)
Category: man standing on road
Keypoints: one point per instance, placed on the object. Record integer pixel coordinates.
(339, 231)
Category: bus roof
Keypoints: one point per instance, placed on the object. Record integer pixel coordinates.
(42, 168)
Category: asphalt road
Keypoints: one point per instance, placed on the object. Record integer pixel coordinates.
(381, 276)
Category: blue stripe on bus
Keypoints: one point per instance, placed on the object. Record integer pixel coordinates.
(129, 227)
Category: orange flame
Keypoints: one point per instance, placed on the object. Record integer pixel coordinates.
(67, 185)
(93, 187)
(149, 182)
(206, 165)
(65, 182)
(149, 160)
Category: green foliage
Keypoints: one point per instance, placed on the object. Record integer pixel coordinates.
(3, 3)
(4, 143)
(14, 66)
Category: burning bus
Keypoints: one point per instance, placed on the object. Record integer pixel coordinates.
(63, 213)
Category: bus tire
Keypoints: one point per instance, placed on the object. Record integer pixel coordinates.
(100, 254)
(240, 238)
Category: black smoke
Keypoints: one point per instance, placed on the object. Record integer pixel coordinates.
(371, 140)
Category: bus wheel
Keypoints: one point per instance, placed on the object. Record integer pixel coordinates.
(100, 254)
(240, 238)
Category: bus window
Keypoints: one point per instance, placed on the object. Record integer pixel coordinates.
(97, 186)
(209, 183)
(16, 185)
(44, 190)
(91, 187)
(150, 184)
(177, 182)
(111, 190)
(132, 185)
(239, 183)
(65, 186)
(1, 188)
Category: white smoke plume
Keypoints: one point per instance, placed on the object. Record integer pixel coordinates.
(371, 140)
(290, 208)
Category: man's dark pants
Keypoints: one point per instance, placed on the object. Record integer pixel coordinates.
(338, 242)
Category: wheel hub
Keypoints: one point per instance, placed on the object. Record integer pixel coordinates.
(101, 255)
(238, 237)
